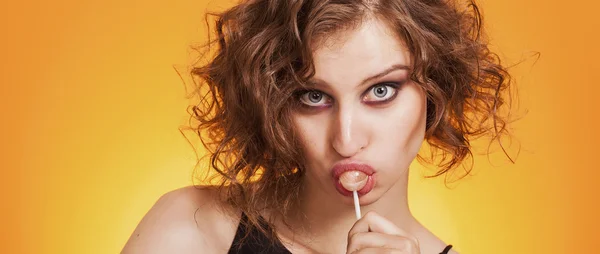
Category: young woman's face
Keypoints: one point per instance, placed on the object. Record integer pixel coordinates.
(364, 110)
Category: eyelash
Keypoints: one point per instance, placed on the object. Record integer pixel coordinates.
(393, 85)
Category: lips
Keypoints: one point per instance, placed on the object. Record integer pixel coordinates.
(341, 168)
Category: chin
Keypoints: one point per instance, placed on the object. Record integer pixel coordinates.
(370, 198)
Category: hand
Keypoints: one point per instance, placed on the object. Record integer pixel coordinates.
(375, 234)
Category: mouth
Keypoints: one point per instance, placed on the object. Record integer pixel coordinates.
(341, 168)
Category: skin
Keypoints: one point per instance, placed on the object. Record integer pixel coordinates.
(380, 122)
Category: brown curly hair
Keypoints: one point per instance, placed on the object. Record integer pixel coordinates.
(263, 55)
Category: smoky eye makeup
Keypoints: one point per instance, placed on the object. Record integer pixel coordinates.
(312, 99)
(376, 95)
(381, 93)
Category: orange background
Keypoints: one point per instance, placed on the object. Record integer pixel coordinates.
(91, 106)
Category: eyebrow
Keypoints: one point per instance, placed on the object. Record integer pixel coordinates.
(374, 77)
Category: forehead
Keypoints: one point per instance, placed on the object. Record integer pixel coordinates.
(350, 55)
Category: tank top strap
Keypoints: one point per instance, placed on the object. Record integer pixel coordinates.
(249, 240)
(447, 249)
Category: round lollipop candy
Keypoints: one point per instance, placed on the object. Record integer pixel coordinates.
(353, 180)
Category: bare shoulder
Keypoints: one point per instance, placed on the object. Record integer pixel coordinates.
(183, 221)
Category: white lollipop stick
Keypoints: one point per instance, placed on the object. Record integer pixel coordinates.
(356, 205)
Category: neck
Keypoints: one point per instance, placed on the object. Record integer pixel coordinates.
(322, 221)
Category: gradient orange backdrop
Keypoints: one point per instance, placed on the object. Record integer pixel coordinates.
(91, 106)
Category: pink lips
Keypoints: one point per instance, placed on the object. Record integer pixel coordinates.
(340, 168)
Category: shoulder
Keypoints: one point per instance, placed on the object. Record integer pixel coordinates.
(185, 220)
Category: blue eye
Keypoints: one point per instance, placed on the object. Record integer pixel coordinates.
(377, 94)
(380, 93)
(314, 98)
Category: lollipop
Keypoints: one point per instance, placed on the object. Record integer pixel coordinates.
(354, 181)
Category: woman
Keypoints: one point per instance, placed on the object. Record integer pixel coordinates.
(299, 92)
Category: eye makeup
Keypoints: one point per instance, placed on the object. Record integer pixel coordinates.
(376, 95)
(390, 90)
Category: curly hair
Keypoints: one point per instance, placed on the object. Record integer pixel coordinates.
(263, 54)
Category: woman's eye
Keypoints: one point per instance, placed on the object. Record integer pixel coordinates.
(314, 98)
(380, 93)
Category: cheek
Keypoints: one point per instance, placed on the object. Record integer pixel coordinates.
(398, 140)
(311, 132)
(413, 139)
(402, 136)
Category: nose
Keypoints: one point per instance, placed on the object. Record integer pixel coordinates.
(348, 134)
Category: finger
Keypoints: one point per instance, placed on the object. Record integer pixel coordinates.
(361, 241)
(373, 222)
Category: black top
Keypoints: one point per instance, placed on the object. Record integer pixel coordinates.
(256, 242)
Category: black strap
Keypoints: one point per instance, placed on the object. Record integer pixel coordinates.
(445, 251)
(250, 240)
